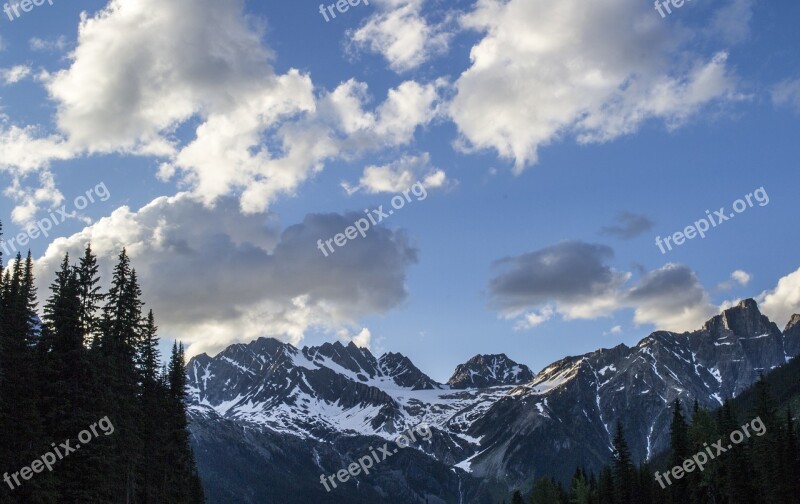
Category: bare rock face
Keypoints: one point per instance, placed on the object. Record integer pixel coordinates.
(564, 417)
(265, 412)
(792, 336)
(484, 371)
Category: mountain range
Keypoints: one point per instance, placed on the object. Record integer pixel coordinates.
(268, 419)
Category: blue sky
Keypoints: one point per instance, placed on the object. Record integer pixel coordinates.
(226, 133)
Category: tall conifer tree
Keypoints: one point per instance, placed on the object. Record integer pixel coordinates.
(623, 469)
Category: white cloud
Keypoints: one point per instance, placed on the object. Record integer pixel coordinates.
(787, 94)
(407, 107)
(731, 22)
(401, 34)
(741, 277)
(57, 44)
(14, 74)
(215, 277)
(399, 175)
(737, 278)
(143, 68)
(29, 199)
(594, 70)
(534, 318)
(25, 150)
(232, 139)
(572, 276)
(780, 303)
(362, 340)
(670, 298)
(572, 279)
(336, 125)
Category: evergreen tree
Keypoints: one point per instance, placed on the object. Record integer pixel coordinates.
(154, 414)
(20, 424)
(703, 484)
(736, 478)
(679, 436)
(185, 483)
(622, 467)
(733, 472)
(148, 354)
(580, 493)
(545, 491)
(594, 490)
(764, 449)
(90, 295)
(644, 484)
(790, 462)
(606, 487)
(121, 326)
(67, 403)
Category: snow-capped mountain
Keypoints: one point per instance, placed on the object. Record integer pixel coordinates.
(494, 421)
(565, 415)
(484, 371)
(333, 388)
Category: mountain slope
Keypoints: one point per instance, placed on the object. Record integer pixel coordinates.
(494, 423)
(567, 412)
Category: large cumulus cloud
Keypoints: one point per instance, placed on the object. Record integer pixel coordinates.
(216, 277)
(590, 70)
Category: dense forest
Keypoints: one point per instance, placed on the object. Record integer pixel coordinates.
(87, 411)
(762, 468)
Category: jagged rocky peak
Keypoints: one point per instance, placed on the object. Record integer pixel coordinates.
(792, 336)
(794, 323)
(742, 319)
(405, 373)
(546, 423)
(351, 357)
(241, 356)
(271, 348)
(742, 332)
(488, 371)
(617, 352)
(201, 360)
(260, 350)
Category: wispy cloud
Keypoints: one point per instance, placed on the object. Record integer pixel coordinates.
(787, 94)
(398, 176)
(56, 44)
(629, 225)
(14, 74)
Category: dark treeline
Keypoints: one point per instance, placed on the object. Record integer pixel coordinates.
(90, 355)
(760, 470)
